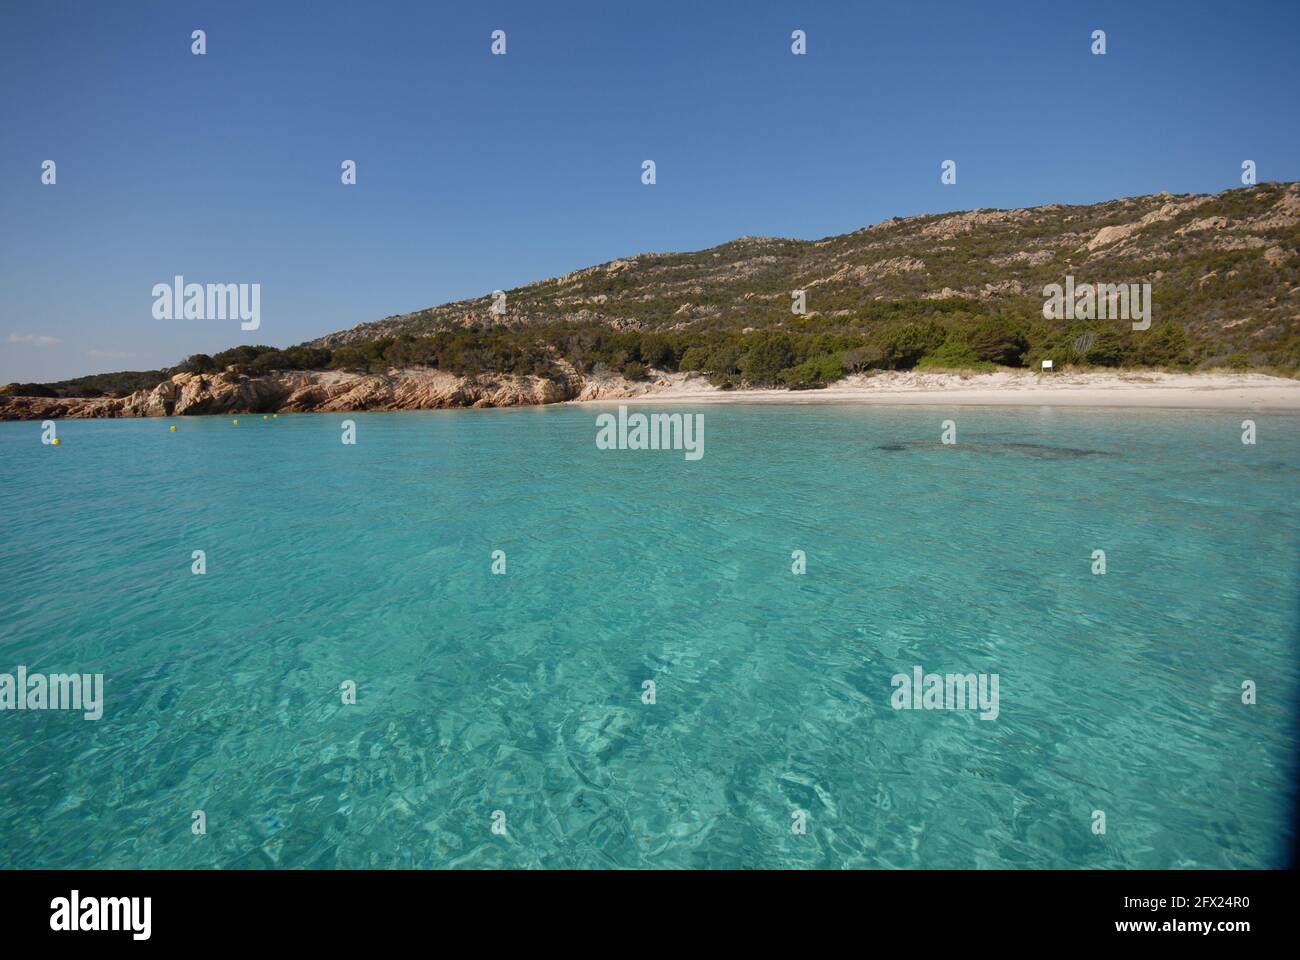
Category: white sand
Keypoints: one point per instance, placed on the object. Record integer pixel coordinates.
(1213, 391)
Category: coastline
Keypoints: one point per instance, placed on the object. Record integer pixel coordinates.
(430, 389)
(1132, 389)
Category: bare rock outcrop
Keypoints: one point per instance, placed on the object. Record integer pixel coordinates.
(297, 391)
(1168, 211)
(1276, 256)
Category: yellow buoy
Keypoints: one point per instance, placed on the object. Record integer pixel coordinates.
(275, 416)
(172, 428)
(56, 441)
(235, 421)
(265, 417)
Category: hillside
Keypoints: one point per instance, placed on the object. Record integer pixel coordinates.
(945, 291)
(1224, 267)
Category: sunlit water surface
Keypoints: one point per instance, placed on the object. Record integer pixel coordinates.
(522, 693)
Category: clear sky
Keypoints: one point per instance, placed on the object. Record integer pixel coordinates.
(478, 172)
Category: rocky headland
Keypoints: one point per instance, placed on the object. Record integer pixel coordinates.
(299, 391)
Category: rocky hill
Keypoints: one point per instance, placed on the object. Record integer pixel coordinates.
(948, 291)
(1224, 266)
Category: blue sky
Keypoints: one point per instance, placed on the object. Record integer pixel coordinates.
(478, 172)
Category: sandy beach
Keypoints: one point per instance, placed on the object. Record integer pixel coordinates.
(1146, 389)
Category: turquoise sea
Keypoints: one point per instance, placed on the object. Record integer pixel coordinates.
(522, 693)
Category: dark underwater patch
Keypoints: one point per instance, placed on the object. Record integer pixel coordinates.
(1041, 451)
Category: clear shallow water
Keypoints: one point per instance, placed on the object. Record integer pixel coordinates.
(522, 692)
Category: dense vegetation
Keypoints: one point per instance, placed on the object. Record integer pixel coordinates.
(96, 385)
(929, 335)
(814, 350)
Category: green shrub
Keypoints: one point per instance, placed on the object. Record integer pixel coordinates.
(768, 354)
(725, 358)
(1108, 350)
(695, 358)
(904, 347)
(998, 340)
(954, 356)
(857, 359)
(633, 370)
(822, 369)
(197, 363)
(1164, 345)
(656, 351)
